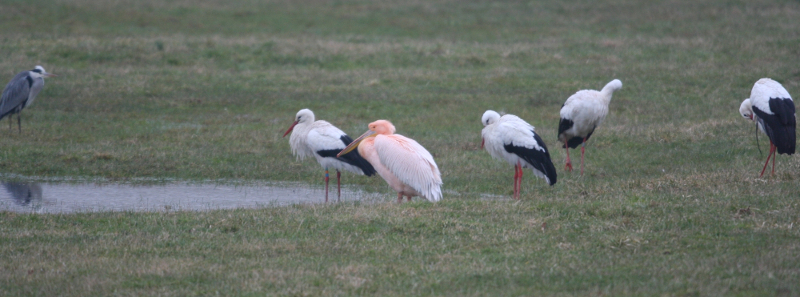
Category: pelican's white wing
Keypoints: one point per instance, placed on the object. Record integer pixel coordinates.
(411, 163)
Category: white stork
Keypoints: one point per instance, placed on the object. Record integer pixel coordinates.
(512, 139)
(581, 114)
(323, 141)
(772, 108)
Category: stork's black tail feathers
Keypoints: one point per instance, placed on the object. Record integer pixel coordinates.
(574, 142)
(352, 158)
(781, 125)
(540, 160)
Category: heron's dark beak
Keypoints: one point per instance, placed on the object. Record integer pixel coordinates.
(290, 129)
(48, 74)
(353, 145)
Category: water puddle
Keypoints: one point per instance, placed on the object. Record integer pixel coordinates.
(67, 198)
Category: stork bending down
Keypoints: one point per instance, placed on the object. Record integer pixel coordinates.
(772, 108)
(581, 114)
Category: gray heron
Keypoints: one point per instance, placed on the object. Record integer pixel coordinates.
(20, 92)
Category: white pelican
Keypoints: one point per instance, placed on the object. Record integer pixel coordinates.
(405, 165)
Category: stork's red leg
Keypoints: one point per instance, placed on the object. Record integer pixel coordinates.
(399, 197)
(326, 185)
(516, 174)
(774, 156)
(339, 185)
(568, 166)
(516, 177)
(583, 148)
(518, 183)
(519, 180)
(771, 151)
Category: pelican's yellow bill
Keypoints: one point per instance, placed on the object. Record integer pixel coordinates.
(353, 145)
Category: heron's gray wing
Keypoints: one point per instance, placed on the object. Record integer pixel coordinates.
(15, 93)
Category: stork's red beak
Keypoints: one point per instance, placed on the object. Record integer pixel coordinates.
(290, 129)
(482, 141)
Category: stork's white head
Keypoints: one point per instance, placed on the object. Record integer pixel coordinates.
(746, 109)
(304, 116)
(38, 72)
(489, 117)
(610, 87)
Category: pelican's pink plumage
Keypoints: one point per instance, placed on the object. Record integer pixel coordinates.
(406, 166)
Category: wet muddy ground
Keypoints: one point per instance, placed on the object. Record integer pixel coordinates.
(88, 197)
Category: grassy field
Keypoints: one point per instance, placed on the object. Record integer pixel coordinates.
(671, 202)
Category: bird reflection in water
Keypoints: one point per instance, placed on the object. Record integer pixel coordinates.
(25, 194)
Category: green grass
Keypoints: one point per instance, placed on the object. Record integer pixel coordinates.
(203, 90)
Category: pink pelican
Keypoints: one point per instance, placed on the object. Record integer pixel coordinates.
(406, 166)
(323, 140)
(512, 139)
(581, 114)
(772, 108)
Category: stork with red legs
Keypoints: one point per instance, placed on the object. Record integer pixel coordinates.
(772, 108)
(510, 138)
(323, 141)
(581, 114)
